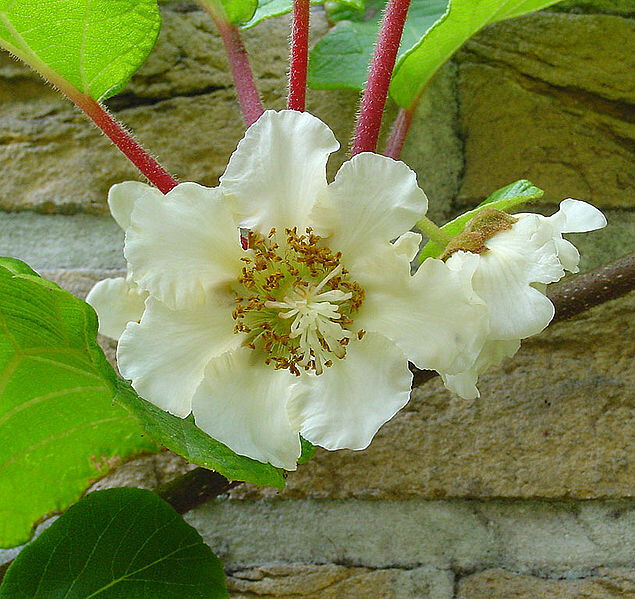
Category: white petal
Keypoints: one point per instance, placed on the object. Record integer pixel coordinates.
(166, 353)
(434, 316)
(117, 302)
(344, 407)
(373, 199)
(518, 258)
(568, 255)
(575, 216)
(122, 197)
(184, 245)
(408, 245)
(278, 170)
(493, 352)
(242, 402)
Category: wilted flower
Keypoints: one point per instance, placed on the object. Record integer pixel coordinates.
(309, 331)
(514, 267)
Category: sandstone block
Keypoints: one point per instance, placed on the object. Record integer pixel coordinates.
(330, 581)
(498, 584)
(546, 97)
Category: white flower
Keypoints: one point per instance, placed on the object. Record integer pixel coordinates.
(511, 277)
(310, 330)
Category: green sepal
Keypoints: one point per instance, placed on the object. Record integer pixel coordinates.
(503, 199)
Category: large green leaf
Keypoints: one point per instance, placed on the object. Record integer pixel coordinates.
(93, 46)
(340, 59)
(117, 544)
(504, 199)
(59, 428)
(182, 436)
(462, 20)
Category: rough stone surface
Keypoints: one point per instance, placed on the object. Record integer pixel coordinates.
(498, 584)
(546, 98)
(75, 241)
(338, 582)
(552, 539)
(181, 106)
(145, 472)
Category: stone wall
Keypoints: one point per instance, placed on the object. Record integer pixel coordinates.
(525, 492)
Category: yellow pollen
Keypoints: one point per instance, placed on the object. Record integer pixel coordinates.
(296, 301)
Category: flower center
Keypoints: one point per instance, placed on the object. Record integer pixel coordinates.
(295, 301)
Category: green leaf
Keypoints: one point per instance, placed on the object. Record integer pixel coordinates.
(234, 11)
(462, 20)
(117, 544)
(276, 8)
(340, 59)
(92, 46)
(504, 199)
(182, 436)
(59, 428)
(308, 451)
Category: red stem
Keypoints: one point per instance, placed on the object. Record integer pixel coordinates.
(155, 173)
(398, 133)
(299, 55)
(248, 96)
(374, 98)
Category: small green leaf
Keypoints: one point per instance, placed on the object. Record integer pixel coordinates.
(276, 8)
(182, 436)
(308, 451)
(234, 11)
(462, 20)
(504, 199)
(340, 59)
(59, 428)
(93, 46)
(117, 544)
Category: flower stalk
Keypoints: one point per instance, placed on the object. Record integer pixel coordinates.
(248, 96)
(299, 59)
(383, 63)
(398, 133)
(435, 233)
(150, 168)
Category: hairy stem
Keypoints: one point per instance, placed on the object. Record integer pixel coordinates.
(155, 173)
(193, 488)
(382, 65)
(398, 133)
(425, 225)
(299, 59)
(248, 96)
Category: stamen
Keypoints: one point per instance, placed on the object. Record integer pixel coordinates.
(299, 303)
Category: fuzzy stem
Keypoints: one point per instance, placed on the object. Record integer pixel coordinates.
(383, 63)
(248, 96)
(425, 225)
(299, 59)
(398, 133)
(155, 173)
